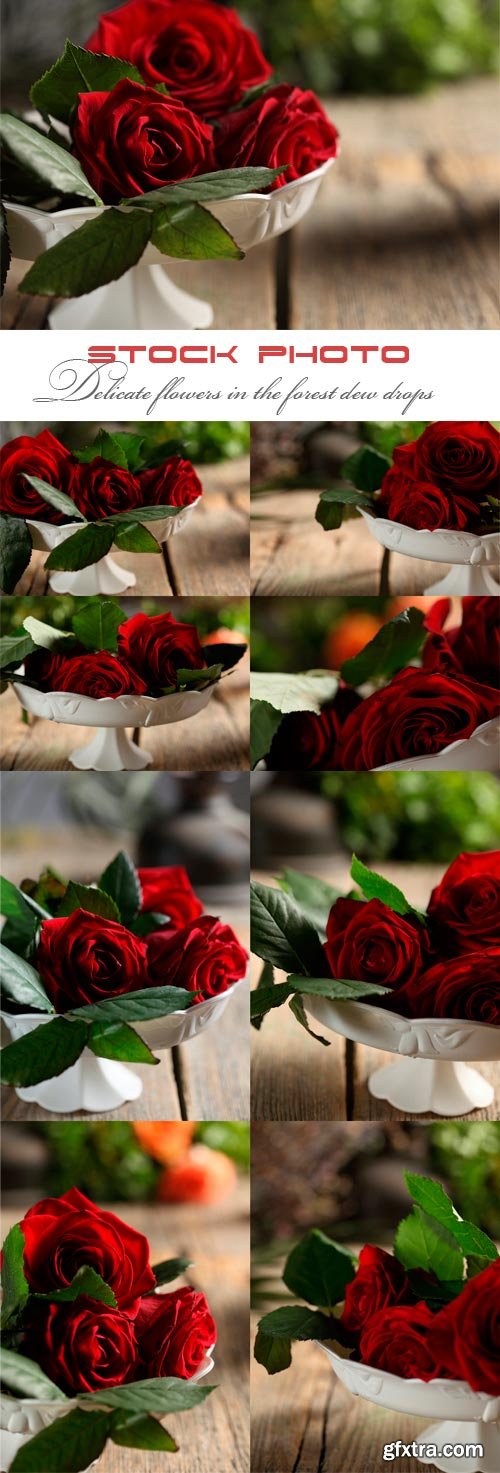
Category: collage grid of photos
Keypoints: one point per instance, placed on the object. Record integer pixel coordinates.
(250, 761)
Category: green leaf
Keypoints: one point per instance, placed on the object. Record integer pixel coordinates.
(67, 1445)
(297, 1322)
(375, 887)
(262, 1000)
(54, 497)
(74, 72)
(133, 449)
(313, 896)
(48, 1050)
(280, 933)
(86, 1281)
(82, 548)
(46, 636)
(46, 159)
(169, 1269)
(192, 234)
(330, 508)
(142, 1432)
(121, 881)
(5, 251)
(435, 1293)
(15, 551)
(24, 1375)
(306, 691)
(318, 1270)
(22, 983)
(189, 678)
(134, 1007)
(266, 980)
(297, 1008)
(15, 902)
(395, 645)
(164, 1394)
(98, 252)
(366, 468)
(272, 1351)
(85, 897)
(435, 1202)
(118, 1041)
(106, 445)
(264, 722)
(143, 514)
(14, 648)
(15, 1287)
(422, 1242)
(224, 184)
(132, 537)
(97, 623)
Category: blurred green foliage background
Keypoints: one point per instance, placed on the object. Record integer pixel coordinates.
(414, 816)
(108, 1162)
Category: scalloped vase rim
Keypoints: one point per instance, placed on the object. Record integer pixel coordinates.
(78, 524)
(177, 1013)
(426, 1022)
(126, 695)
(393, 1380)
(452, 532)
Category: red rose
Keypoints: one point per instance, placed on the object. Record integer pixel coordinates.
(43, 667)
(174, 1333)
(83, 958)
(464, 909)
(380, 1281)
(100, 488)
(158, 646)
(400, 1339)
(421, 505)
(82, 1346)
(97, 675)
(368, 942)
(168, 889)
(133, 139)
(173, 484)
(467, 1332)
(283, 127)
(205, 957)
(33, 455)
(465, 986)
(203, 53)
(61, 1234)
(472, 647)
(464, 455)
(305, 741)
(418, 714)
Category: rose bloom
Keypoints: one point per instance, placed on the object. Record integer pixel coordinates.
(284, 127)
(307, 741)
(33, 455)
(368, 942)
(158, 646)
(471, 648)
(416, 715)
(421, 505)
(63, 1234)
(82, 1346)
(134, 139)
(101, 488)
(465, 986)
(464, 909)
(173, 484)
(83, 958)
(399, 1339)
(174, 1333)
(205, 957)
(467, 1332)
(43, 667)
(380, 1281)
(202, 52)
(168, 890)
(98, 674)
(463, 455)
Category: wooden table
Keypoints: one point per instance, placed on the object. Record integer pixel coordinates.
(216, 1434)
(295, 1078)
(291, 554)
(403, 233)
(216, 740)
(209, 556)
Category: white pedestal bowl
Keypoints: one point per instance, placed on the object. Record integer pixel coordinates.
(432, 1074)
(99, 1085)
(105, 576)
(478, 753)
(145, 297)
(465, 1417)
(111, 750)
(475, 559)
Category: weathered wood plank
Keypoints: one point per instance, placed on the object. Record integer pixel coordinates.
(211, 554)
(215, 1067)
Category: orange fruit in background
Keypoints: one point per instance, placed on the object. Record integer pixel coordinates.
(224, 636)
(165, 1140)
(201, 1175)
(350, 636)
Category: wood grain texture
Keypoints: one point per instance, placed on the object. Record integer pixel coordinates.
(403, 233)
(290, 553)
(216, 1434)
(293, 1077)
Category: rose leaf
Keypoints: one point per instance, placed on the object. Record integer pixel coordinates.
(118, 1041)
(366, 468)
(82, 548)
(68, 1445)
(97, 623)
(422, 1242)
(106, 445)
(264, 723)
(22, 983)
(281, 934)
(435, 1202)
(191, 233)
(121, 881)
(395, 645)
(375, 887)
(330, 508)
(317, 1270)
(57, 498)
(24, 1375)
(77, 71)
(134, 1007)
(132, 537)
(313, 896)
(163, 1394)
(15, 1287)
(15, 551)
(48, 1050)
(169, 1269)
(86, 1281)
(55, 165)
(98, 252)
(130, 1430)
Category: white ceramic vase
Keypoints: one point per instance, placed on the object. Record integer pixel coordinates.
(111, 750)
(100, 1085)
(475, 560)
(105, 576)
(432, 1074)
(465, 1417)
(145, 297)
